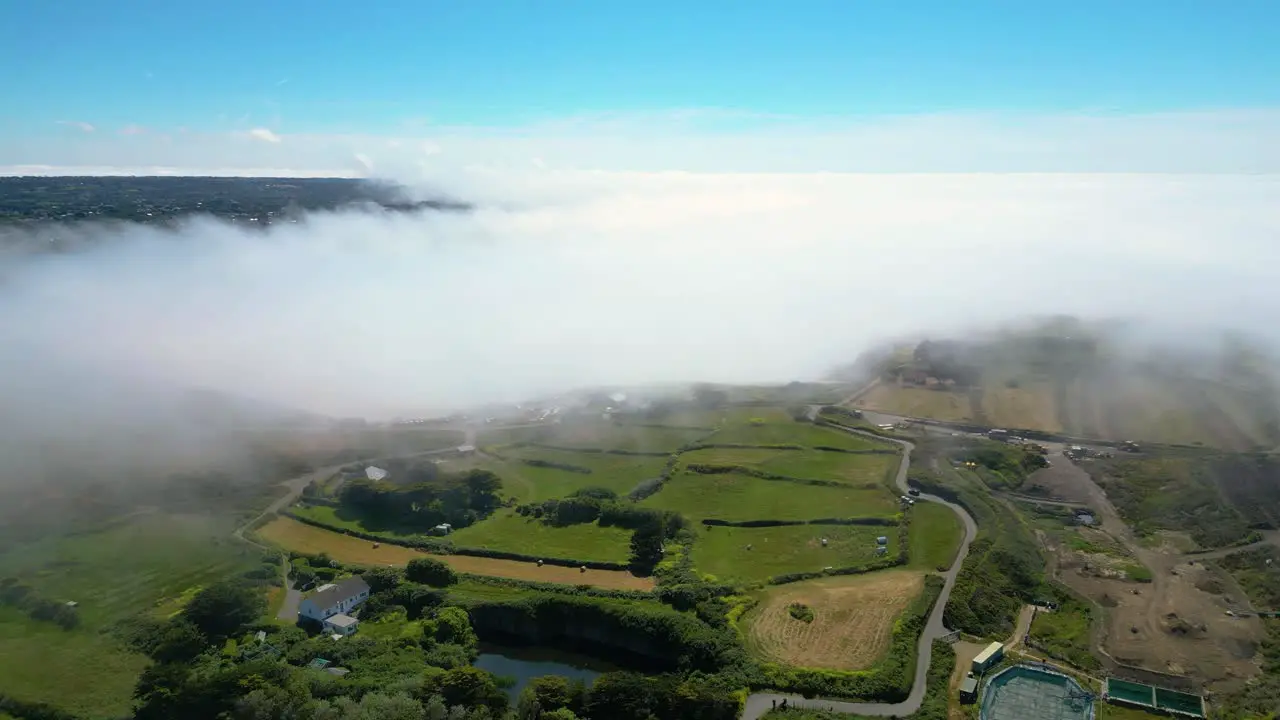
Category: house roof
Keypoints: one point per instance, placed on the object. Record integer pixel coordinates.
(969, 684)
(341, 620)
(340, 591)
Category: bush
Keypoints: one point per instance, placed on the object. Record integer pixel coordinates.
(430, 571)
(558, 466)
(801, 612)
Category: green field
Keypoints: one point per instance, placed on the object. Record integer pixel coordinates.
(510, 532)
(150, 564)
(844, 467)
(1065, 633)
(935, 536)
(619, 473)
(738, 497)
(722, 551)
(779, 429)
(604, 435)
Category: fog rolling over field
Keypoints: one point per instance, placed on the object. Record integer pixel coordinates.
(567, 279)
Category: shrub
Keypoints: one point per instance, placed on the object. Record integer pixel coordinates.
(801, 612)
(430, 571)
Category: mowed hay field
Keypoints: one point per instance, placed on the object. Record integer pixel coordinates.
(300, 537)
(867, 469)
(146, 564)
(722, 551)
(853, 619)
(918, 402)
(738, 497)
(619, 473)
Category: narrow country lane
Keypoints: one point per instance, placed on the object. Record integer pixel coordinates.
(760, 703)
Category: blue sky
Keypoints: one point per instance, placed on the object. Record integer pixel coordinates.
(394, 68)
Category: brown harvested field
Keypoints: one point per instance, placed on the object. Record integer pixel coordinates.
(1029, 406)
(293, 535)
(852, 624)
(917, 402)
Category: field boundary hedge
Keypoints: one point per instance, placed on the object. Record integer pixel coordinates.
(595, 451)
(833, 572)
(445, 547)
(24, 710)
(715, 469)
(559, 588)
(875, 521)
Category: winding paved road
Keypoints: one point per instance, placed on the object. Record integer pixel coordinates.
(760, 703)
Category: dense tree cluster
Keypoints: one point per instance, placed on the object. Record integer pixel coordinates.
(459, 500)
(16, 593)
(165, 199)
(652, 527)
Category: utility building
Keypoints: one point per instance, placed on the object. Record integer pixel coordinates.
(993, 654)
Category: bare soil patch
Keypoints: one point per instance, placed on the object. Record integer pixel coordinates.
(293, 535)
(852, 623)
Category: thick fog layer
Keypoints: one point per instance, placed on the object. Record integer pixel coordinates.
(562, 280)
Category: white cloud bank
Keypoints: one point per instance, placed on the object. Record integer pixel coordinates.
(1228, 141)
(625, 278)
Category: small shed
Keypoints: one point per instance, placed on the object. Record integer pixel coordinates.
(882, 540)
(969, 689)
(442, 529)
(466, 449)
(375, 473)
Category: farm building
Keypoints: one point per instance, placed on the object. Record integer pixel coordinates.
(988, 657)
(882, 540)
(466, 449)
(442, 529)
(330, 604)
(375, 473)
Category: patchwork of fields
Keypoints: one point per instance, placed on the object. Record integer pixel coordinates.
(748, 464)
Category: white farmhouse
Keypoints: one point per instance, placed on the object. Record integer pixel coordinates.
(330, 604)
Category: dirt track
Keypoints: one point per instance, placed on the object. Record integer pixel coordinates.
(1177, 623)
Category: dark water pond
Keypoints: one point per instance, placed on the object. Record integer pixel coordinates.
(524, 664)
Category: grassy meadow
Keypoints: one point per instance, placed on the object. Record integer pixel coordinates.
(722, 551)
(507, 531)
(810, 464)
(619, 473)
(149, 564)
(737, 497)
(934, 536)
